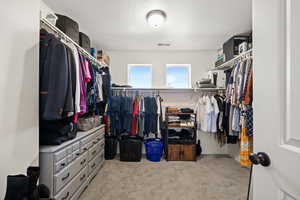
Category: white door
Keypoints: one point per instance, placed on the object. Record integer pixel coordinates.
(276, 29)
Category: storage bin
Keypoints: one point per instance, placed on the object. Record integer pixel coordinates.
(84, 41)
(231, 46)
(154, 149)
(111, 143)
(131, 148)
(68, 26)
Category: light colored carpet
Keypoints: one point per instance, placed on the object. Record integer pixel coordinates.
(207, 179)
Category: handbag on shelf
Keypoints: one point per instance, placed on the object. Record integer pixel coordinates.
(86, 123)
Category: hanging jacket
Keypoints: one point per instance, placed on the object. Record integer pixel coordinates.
(54, 78)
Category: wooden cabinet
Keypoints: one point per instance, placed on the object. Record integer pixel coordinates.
(182, 152)
(188, 152)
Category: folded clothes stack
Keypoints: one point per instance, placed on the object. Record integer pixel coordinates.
(180, 137)
(174, 119)
(187, 110)
(172, 110)
(187, 123)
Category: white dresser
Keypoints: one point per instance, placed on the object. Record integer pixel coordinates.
(67, 169)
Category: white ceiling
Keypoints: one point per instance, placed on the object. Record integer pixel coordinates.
(191, 24)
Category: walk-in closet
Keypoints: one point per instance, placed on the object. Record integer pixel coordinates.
(150, 99)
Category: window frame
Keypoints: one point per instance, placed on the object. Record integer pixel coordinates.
(188, 66)
(129, 66)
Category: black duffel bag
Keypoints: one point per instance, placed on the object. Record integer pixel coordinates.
(55, 132)
(68, 26)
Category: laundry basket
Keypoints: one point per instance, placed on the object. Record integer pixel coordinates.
(154, 149)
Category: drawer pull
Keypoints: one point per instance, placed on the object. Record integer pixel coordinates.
(93, 165)
(95, 142)
(81, 178)
(98, 139)
(63, 164)
(85, 149)
(64, 178)
(82, 162)
(77, 154)
(66, 196)
(93, 153)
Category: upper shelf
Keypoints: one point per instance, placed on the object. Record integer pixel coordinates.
(68, 39)
(229, 64)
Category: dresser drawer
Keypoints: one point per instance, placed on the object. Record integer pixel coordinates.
(70, 158)
(84, 141)
(60, 155)
(80, 191)
(100, 158)
(62, 178)
(60, 165)
(102, 143)
(93, 164)
(69, 149)
(81, 161)
(93, 152)
(84, 149)
(76, 146)
(76, 154)
(72, 187)
(90, 144)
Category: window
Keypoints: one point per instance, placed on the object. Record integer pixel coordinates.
(140, 75)
(178, 75)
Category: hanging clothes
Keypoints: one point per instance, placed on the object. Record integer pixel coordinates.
(150, 115)
(67, 88)
(141, 120)
(134, 117)
(239, 97)
(54, 76)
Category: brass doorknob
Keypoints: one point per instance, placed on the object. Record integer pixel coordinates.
(260, 158)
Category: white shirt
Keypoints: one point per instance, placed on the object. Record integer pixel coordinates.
(99, 87)
(208, 114)
(214, 114)
(77, 89)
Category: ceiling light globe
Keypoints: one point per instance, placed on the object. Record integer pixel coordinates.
(156, 18)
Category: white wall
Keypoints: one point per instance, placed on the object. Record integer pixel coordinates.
(18, 87)
(200, 62)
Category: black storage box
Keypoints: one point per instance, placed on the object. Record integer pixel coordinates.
(68, 26)
(231, 47)
(110, 150)
(131, 148)
(84, 41)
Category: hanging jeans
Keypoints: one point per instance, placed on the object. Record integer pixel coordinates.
(115, 115)
(126, 112)
(150, 115)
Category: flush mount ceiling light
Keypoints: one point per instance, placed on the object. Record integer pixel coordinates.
(156, 18)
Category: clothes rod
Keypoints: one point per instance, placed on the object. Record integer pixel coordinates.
(68, 39)
(150, 89)
(168, 89)
(209, 89)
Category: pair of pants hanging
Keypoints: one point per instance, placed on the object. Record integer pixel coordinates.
(150, 115)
